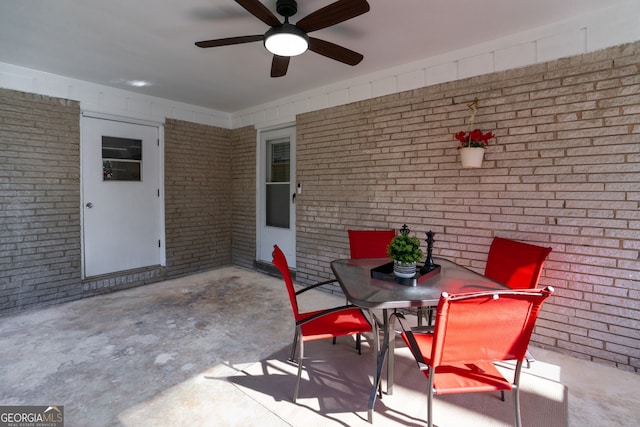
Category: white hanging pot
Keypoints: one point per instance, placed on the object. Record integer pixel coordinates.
(471, 157)
(404, 270)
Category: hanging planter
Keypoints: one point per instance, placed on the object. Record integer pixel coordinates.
(472, 147)
(472, 157)
(472, 143)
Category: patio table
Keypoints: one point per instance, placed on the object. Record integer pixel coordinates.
(367, 292)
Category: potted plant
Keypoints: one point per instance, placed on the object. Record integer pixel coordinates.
(405, 252)
(472, 146)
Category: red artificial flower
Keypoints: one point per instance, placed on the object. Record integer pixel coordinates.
(475, 138)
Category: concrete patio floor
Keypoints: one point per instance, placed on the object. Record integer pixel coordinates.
(149, 356)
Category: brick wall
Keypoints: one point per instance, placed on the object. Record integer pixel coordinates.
(40, 230)
(198, 194)
(39, 200)
(243, 177)
(563, 172)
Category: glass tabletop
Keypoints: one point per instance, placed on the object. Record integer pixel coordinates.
(354, 276)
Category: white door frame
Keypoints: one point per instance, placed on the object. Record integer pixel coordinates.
(265, 236)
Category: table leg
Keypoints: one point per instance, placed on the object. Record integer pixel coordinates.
(376, 337)
(379, 362)
(391, 348)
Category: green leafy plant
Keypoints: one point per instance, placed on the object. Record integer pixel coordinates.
(405, 249)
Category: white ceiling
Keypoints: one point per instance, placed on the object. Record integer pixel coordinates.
(113, 42)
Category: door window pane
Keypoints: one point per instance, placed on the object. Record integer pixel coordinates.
(121, 159)
(279, 161)
(278, 187)
(278, 205)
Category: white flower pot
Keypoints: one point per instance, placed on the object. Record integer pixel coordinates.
(472, 157)
(404, 270)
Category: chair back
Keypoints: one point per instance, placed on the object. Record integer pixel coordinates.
(486, 326)
(369, 243)
(515, 264)
(280, 261)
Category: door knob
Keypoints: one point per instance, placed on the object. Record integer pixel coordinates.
(89, 205)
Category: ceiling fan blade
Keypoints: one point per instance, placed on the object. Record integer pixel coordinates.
(279, 65)
(333, 14)
(230, 40)
(260, 11)
(333, 51)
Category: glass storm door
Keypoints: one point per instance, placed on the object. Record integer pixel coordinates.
(276, 219)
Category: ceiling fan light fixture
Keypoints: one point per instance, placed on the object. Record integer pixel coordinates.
(286, 40)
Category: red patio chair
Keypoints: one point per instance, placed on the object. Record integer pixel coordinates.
(369, 243)
(471, 332)
(319, 324)
(515, 264)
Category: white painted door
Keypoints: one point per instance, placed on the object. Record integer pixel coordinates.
(121, 197)
(276, 195)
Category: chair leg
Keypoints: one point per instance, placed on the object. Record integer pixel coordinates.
(516, 398)
(427, 312)
(430, 398)
(300, 359)
(430, 409)
(292, 357)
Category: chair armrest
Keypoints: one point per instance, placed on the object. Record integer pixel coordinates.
(325, 312)
(315, 285)
(413, 345)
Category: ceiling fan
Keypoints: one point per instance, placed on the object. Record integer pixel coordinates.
(285, 40)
